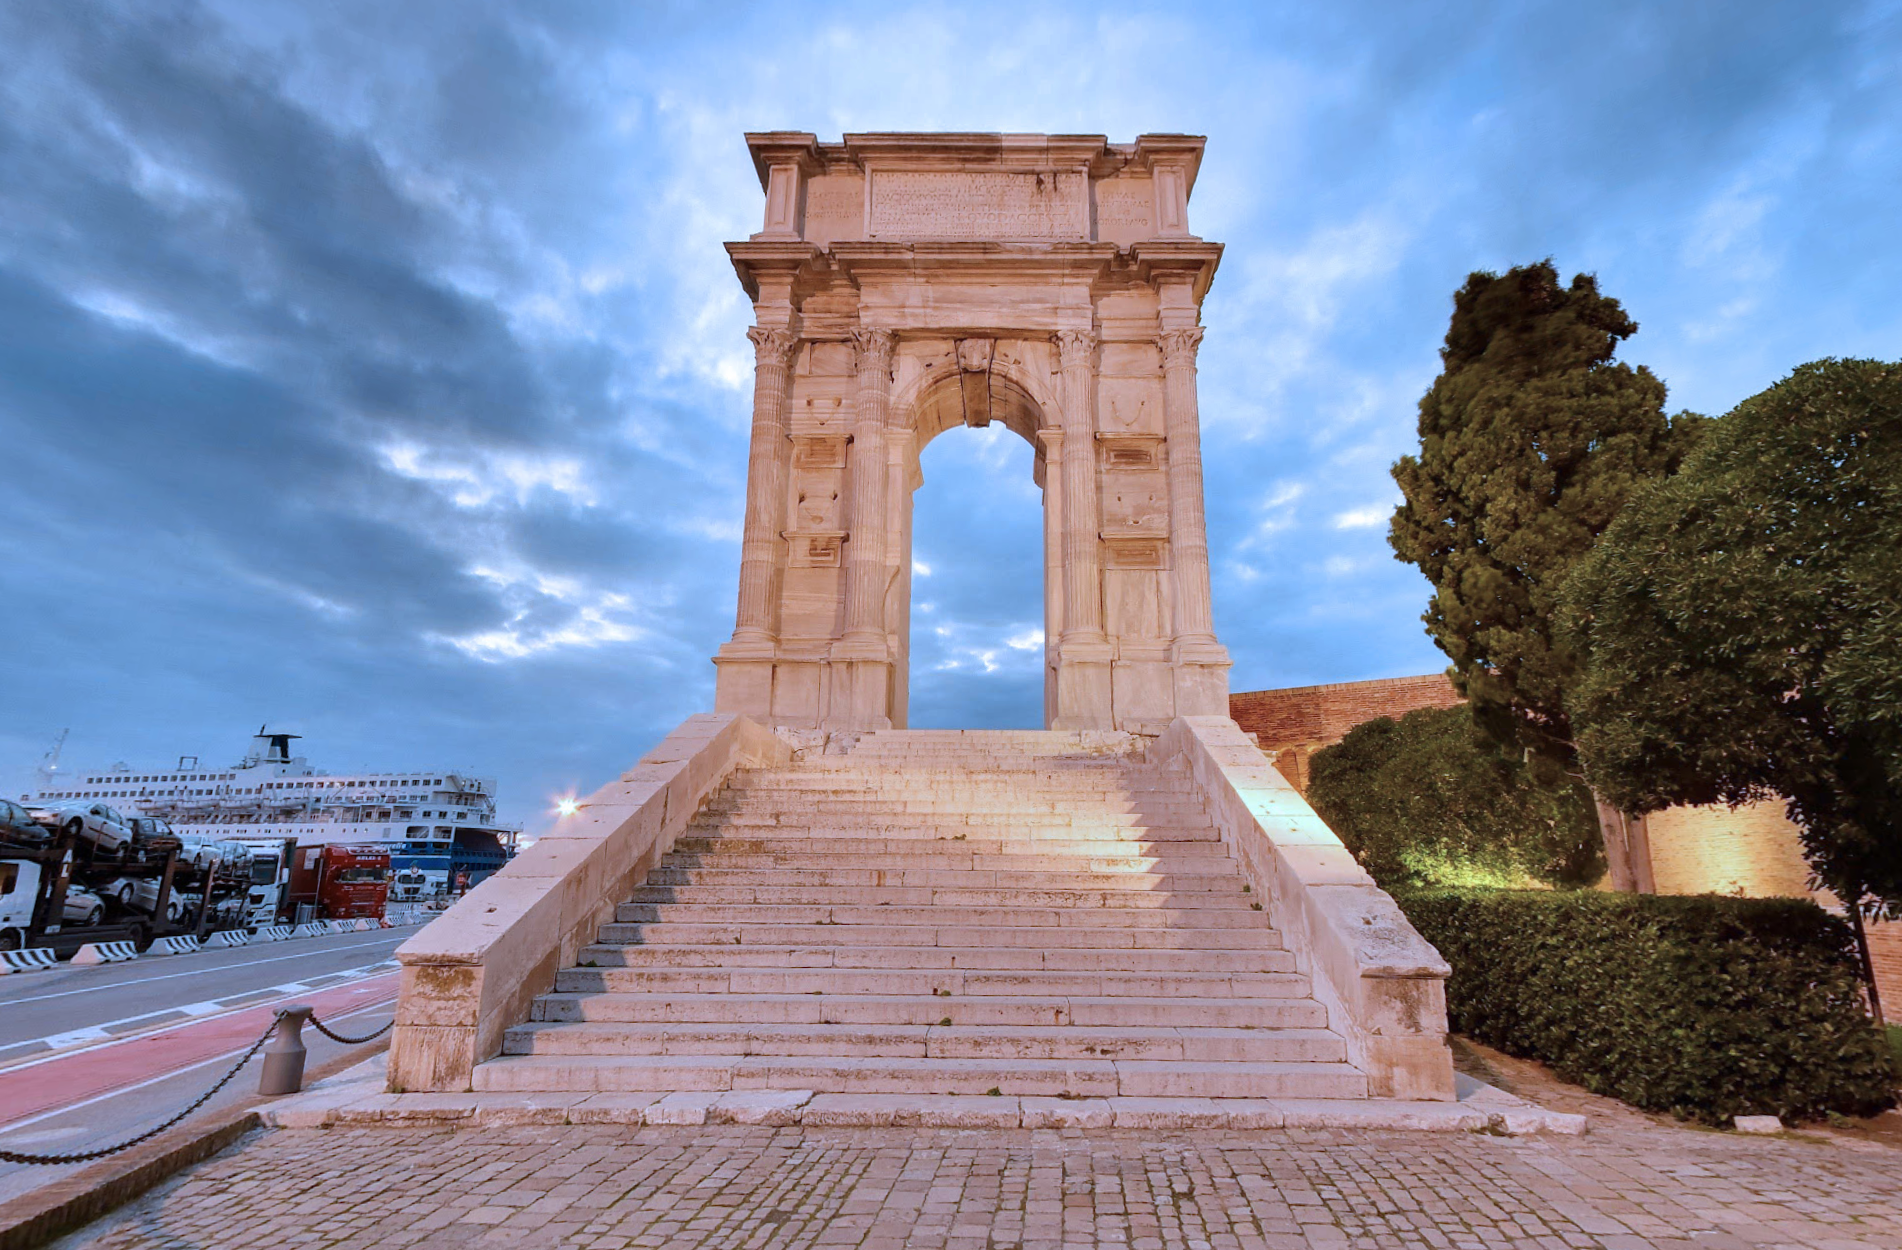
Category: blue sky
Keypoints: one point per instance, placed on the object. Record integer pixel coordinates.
(375, 370)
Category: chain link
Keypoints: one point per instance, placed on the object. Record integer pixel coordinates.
(349, 1041)
(14, 1156)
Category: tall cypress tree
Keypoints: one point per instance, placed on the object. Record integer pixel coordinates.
(1531, 439)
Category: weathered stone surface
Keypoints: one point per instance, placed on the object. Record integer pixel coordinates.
(1072, 322)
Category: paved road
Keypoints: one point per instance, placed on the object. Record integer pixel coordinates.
(89, 1056)
(40, 1011)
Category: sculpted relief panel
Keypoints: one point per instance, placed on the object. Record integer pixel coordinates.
(957, 204)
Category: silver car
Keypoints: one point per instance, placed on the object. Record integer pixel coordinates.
(98, 824)
(83, 906)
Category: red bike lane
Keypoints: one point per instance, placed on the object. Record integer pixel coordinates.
(49, 1084)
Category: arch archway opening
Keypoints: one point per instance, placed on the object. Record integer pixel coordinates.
(972, 595)
(977, 628)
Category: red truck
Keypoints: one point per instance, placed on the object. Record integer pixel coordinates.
(342, 882)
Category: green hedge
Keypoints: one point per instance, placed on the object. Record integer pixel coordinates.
(1704, 1007)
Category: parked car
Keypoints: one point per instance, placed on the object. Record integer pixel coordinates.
(137, 893)
(98, 824)
(148, 830)
(17, 824)
(83, 906)
(202, 852)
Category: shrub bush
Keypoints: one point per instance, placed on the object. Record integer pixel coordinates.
(1428, 801)
(1703, 1007)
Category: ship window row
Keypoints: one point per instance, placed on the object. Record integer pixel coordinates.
(183, 777)
(169, 777)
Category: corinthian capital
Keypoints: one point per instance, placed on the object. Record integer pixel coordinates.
(1179, 347)
(1075, 348)
(872, 352)
(771, 347)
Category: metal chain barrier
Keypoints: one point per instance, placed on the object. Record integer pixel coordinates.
(87, 1156)
(349, 1041)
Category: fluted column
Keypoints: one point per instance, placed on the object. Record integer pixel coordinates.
(1188, 527)
(867, 474)
(1082, 578)
(765, 485)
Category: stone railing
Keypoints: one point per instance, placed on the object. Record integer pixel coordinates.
(1383, 985)
(476, 970)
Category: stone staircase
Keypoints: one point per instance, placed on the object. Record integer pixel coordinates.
(940, 912)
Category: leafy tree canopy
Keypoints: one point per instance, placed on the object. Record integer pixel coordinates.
(1531, 439)
(1744, 624)
(1430, 800)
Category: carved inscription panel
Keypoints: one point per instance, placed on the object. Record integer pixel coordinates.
(961, 204)
(835, 209)
(1125, 210)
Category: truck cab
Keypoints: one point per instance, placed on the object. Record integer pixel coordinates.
(341, 882)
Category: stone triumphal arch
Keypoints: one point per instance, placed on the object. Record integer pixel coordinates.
(906, 283)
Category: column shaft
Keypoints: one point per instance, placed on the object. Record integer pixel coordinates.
(1082, 578)
(1188, 527)
(765, 485)
(867, 471)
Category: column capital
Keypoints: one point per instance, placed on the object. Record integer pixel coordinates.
(872, 351)
(1179, 347)
(1075, 348)
(771, 346)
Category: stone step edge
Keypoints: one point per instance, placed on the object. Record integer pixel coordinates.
(359, 1102)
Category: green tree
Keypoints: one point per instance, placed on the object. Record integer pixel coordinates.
(1743, 626)
(1429, 800)
(1531, 439)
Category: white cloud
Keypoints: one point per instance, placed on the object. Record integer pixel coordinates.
(919, 568)
(478, 479)
(548, 613)
(1373, 516)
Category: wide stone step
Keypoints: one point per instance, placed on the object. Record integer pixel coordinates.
(947, 983)
(827, 1074)
(955, 817)
(1027, 854)
(1222, 911)
(1205, 858)
(708, 875)
(929, 1041)
(903, 786)
(661, 954)
(1005, 800)
(966, 1010)
(1083, 894)
(1106, 937)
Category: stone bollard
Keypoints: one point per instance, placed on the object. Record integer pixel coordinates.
(284, 1053)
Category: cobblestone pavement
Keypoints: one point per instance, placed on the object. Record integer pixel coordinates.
(1631, 1183)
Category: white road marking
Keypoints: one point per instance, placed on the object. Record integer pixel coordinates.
(100, 1032)
(97, 1033)
(196, 972)
(128, 1089)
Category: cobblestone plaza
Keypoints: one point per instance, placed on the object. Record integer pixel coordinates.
(1631, 1182)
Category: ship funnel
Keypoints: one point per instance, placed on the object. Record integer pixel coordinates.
(268, 748)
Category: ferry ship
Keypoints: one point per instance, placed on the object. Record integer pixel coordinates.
(438, 824)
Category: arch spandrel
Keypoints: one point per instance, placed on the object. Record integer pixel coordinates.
(985, 328)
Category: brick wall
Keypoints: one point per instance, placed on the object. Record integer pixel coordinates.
(1295, 722)
(1300, 715)
(1753, 851)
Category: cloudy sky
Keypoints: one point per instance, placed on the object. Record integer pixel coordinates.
(374, 370)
